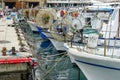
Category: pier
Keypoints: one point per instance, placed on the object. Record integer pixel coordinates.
(14, 62)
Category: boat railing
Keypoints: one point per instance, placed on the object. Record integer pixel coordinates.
(96, 51)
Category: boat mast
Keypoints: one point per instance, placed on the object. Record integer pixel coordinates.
(118, 24)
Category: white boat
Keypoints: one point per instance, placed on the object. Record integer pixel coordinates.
(99, 62)
(59, 45)
(33, 26)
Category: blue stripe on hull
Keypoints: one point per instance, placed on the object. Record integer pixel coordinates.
(97, 65)
(110, 38)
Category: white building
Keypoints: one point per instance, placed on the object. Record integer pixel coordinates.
(67, 2)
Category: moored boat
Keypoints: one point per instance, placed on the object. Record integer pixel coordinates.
(99, 61)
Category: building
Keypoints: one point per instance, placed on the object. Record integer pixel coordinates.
(74, 2)
(67, 2)
(52, 3)
(23, 3)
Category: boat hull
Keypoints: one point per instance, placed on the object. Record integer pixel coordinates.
(57, 44)
(97, 67)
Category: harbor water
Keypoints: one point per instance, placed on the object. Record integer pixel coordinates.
(52, 65)
(57, 66)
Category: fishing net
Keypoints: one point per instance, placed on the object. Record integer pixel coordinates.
(59, 29)
(26, 12)
(75, 27)
(45, 17)
(76, 23)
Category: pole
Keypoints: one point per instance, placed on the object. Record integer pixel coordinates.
(2, 4)
(22, 8)
(22, 4)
